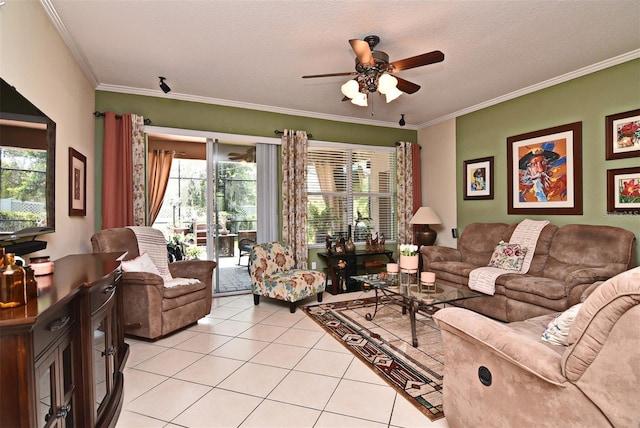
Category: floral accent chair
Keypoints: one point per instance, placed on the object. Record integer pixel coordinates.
(273, 274)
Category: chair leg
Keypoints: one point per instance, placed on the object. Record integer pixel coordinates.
(256, 299)
(320, 297)
(292, 307)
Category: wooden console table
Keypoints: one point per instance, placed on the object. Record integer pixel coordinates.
(62, 355)
(354, 267)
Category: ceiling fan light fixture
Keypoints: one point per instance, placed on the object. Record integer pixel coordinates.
(392, 94)
(350, 89)
(360, 99)
(387, 83)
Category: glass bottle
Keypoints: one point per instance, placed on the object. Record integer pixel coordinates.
(12, 283)
(30, 283)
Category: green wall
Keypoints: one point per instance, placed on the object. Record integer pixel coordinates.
(587, 99)
(166, 112)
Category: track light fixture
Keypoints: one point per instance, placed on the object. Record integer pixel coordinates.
(402, 122)
(165, 88)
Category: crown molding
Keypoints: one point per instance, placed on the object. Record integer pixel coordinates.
(68, 40)
(243, 105)
(620, 59)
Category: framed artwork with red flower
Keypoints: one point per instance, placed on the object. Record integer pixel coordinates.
(623, 190)
(623, 135)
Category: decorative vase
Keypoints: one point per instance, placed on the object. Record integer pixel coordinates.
(350, 247)
(409, 262)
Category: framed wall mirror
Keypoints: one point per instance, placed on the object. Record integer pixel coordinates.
(27, 167)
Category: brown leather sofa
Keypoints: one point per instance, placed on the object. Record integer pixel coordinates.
(504, 375)
(152, 310)
(566, 261)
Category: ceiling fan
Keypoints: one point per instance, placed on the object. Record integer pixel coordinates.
(374, 72)
(248, 156)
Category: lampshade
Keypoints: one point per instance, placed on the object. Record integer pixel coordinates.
(350, 89)
(425, 215)
(392, 94)
(360, 99)
(386, 83)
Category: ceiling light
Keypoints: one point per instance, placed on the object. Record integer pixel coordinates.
(371, 80)
(392, 94)
(350, 89)
(165, 88)
(360, 99)
(386, 83)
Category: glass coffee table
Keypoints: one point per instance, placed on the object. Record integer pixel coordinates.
(411, 297)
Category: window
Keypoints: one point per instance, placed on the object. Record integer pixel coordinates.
(22, 188)
(350, 189)
(185, 197)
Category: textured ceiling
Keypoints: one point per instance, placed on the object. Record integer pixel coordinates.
(253, 53)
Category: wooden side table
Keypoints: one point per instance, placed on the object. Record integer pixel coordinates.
(355, 265)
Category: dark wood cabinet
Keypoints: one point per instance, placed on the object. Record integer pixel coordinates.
(63, 354)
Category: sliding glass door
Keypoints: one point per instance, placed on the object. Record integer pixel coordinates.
(232, 212)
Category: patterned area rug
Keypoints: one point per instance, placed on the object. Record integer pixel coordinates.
(384, 343)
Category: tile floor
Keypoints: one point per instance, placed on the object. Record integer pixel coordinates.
(257, 366)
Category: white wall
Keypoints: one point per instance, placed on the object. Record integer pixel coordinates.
(439, 188)
(35, 59)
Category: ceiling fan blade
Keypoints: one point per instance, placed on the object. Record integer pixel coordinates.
(362, 50)
(406, 86)
(417, 61)
(348, 73)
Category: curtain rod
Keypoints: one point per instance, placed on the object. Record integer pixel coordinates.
(278, 132)
(118, 116)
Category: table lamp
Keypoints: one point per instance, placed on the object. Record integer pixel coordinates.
(424, 217)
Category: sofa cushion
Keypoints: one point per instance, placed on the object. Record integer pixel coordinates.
(142, 263)
(508, 256)
(557, 331)
(599, 315)
(478, 240)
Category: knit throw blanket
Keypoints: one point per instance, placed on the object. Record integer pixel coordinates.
(153, 242)
(483, 279)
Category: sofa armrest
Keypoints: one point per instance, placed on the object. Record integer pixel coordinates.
(590, 275)
(522, 351)
(198, 269)
(142, 279)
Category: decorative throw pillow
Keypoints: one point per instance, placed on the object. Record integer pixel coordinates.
(142, 263)
(557, 331)
(508, 256)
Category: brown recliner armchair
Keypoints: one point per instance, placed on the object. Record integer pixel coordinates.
(505, 375)
(152, 310)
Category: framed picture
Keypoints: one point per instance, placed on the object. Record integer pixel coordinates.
(77, 183)
(544, 171)
(478, 178)
(623, 190)
(622, 137)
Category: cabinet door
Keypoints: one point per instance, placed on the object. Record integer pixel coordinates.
(55, 386)
(104, 353)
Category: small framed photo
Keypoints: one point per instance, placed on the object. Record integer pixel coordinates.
(622, 137)
(623, 190)
(478, 178)
(544, 171)
(77, 183)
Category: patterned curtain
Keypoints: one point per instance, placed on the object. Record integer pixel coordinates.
(139, 148)
(123, 171)
(294, 194)
(409, 188)
(159, 167)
